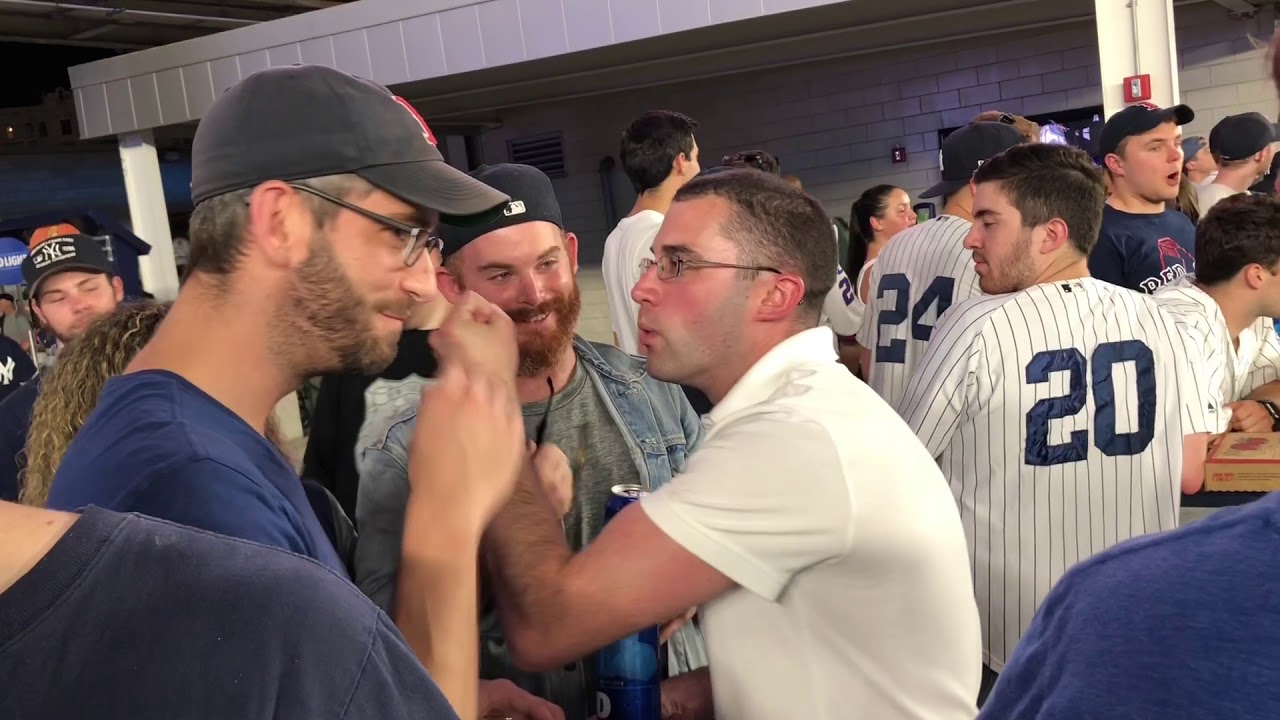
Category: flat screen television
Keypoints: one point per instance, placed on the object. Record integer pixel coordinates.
(1078, 127)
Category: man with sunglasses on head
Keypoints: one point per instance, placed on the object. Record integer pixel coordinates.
(615, 423)
(829, 574)
(317, 195)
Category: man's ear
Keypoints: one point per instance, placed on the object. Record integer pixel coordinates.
(117, 289)
(780, 301)
(571, 249)
(279, 226)
(35, 308)
(450, 287)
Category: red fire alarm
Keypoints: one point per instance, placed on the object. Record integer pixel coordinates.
(1137, 88)
(899, 154)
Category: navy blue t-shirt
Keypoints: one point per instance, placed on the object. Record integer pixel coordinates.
(16, 366)
(128, 617)
(15, 420)
(160, 446)
(1177, 625)
(1143, 252)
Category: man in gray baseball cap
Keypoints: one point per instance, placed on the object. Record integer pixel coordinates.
(317, 198)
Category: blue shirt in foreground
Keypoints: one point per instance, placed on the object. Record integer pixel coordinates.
(128, 617)
(1143, 252)
(1177, 625)
(160, 446)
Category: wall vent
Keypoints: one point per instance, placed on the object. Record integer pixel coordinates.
(545, 152)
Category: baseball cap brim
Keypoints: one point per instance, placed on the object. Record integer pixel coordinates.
(943, 189)
(436, 185)
(34, 290)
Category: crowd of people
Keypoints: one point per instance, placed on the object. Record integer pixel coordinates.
(891, 469)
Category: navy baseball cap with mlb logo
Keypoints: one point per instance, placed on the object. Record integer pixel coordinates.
(304, 121)
(532, 200)
(1138, 119)
(966, 149)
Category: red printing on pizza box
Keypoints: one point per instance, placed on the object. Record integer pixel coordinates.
(1244, 462)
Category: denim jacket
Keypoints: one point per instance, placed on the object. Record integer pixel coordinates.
(658, 424)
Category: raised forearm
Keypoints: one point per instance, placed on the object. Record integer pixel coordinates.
(528, 558)
(436, 605)
(1269, 391)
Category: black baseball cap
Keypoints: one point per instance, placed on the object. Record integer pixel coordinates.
(1237, 137)
(1138, 119)
(302, 121)
(532, 199)
(966, 149)
(62, 254)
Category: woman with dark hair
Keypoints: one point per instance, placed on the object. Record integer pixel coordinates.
(877, 215)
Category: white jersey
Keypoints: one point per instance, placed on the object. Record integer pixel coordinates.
(1057, 415)
(843, 309)
(1241, 368)
(921, 273)
(629, 243)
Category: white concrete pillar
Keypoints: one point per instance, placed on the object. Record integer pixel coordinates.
(1135, 37)
(148, 214)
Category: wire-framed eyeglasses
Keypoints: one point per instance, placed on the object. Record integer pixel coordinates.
(416, 239)
(671, 266)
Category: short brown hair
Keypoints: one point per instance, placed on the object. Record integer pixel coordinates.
(1237, 231)
(774, 224)
(217, 227)
(1051, 181)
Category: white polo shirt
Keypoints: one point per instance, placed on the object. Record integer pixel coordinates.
(1238, 369)
(854, 595)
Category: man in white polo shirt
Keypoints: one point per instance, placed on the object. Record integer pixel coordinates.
(830, 576)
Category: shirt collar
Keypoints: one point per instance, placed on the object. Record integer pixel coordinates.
(814, 346)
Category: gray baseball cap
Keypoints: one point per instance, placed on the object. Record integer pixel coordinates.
(303, 121)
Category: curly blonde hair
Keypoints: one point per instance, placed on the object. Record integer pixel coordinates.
(70, 392)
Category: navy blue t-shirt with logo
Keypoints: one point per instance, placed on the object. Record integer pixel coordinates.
(1143, 252)
(160, 446)
(16, 366)
(128, 617)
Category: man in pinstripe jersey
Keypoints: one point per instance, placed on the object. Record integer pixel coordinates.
(926, 269)
(1231, 299)
(1065, 412)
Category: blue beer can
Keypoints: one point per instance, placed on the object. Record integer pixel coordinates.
(628, 672)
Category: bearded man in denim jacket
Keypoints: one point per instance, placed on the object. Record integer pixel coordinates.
(615, 423)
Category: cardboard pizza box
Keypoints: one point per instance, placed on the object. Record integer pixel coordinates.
(1243, 462)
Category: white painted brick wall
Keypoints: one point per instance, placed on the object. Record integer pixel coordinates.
(833, 122)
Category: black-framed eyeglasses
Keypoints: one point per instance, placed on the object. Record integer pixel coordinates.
(671, 266)
(416, 239)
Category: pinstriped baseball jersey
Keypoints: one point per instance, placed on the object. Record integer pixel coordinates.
(921, 272)
(1058, 415)
(1255, 362)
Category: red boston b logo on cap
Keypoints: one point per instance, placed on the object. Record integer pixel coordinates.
(426, 131)
(1147, 105)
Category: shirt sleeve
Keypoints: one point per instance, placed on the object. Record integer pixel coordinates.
(1107, 261)
(837, 306)
(380, 509)
(1265, 367)
(944, 386)
(1200, 386)
(393, 685)
(208, 495)
(762, 499)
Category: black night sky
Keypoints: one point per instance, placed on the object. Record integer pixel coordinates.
(38, 69)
